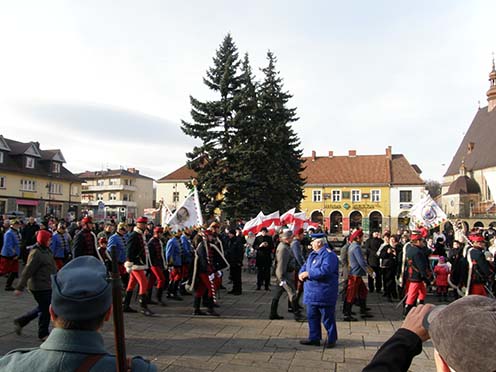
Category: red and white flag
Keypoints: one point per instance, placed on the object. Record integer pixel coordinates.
(270, 219)
(254, 225)
(288, 217)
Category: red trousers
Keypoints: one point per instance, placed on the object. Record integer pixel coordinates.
(59, 262)
(157, 276)
(122, 269)
(356, 288)
(184, 271)
(176, 274)
(415, 289)
(138, 276)
(477, 289)
(204, 285)
(8, 265)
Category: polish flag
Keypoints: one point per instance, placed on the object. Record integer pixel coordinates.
(288, 217)
(299, 221)
(270, 219)
(254, 225)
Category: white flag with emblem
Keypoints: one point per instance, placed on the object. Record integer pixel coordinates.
(188, 214)
(426, 213)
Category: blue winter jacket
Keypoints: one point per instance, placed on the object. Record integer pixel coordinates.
(358, 266)
(321, 286)
(187, 249)
(119, 241)
(173, 252)
(11, 245)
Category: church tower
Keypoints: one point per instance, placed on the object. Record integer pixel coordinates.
(491, 93)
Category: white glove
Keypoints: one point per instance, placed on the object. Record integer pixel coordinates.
(220, 274)
(211, 277)
(129, 266)
(282, 283)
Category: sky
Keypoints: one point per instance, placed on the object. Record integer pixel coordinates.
(108, 82)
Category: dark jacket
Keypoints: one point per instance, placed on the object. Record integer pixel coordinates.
(417, 265)
(264, 254)
(85, 244)
(480, 266)
(235, 251)
(156, 252)
(28, 234)
(397, 353)
(135, 249)
(38, 270)
(372, 245)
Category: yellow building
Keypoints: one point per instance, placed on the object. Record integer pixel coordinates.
(374, 192)
(34, 182)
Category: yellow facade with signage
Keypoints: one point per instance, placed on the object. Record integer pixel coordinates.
(340, 209)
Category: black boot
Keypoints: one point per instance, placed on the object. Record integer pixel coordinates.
(364, 310)
(143, 304)
(347, 312)
(196, 306)
(407, 309)
(149, 297)
(290, 306)
(273, 310)
(298, 316)
(211, 309)
(421, 302)
(160, 293)
(127, 300)
(10, 280)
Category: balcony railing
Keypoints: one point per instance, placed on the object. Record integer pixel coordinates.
(109, 203)
(93, 188)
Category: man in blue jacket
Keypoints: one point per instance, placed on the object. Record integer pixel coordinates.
(321, 278)
(11, 252)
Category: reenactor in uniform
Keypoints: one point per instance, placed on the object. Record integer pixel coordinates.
(85, 241)
(157, 267)
(11, 253)
(136, 264)
(417, 272)
(60, 246)
(173, 257)
(478, 267)
(118, 240)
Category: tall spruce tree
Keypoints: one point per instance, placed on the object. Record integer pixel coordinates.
(245, 192)
(213, 123)
(285, 187)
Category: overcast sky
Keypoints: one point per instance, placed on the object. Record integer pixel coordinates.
(108, 82)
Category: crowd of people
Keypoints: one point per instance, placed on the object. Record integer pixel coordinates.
(194, 262)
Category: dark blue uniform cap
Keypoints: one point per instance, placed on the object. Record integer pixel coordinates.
(81, 290)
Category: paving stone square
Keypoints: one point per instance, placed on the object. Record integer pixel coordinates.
(241, 339)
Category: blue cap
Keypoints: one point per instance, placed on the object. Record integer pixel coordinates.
(317, 236)
(81, 289)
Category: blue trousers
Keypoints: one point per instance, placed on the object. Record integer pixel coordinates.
(325, 314)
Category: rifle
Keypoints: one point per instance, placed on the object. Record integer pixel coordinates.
(118, 316)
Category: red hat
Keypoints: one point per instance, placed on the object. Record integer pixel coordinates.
(476, 238)
(416, 235)
(208, 232)
(42, 237)
(356, 234)
(158, 230)
(300, 231)
(86, 220)
(142, 219)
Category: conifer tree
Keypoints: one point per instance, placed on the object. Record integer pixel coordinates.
(213, 124)
(285, 187)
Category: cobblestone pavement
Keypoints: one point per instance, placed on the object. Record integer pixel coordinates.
(242, 339)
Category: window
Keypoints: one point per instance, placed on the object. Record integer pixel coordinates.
(376, 195)
(29, 162)
(114, 181)
(56, 167)
(1, 157)
(74, 190)
(28, 185)
(55, 188)
(100, 182)
(3, 206)
(3, 182)
(126, 197)
(99, 196)
(317, 196)
(113, 196)
(336, 195)
(175, 196)
(405, 196)
(355, 195)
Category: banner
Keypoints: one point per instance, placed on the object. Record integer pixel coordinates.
(188, 214)
(426, 213)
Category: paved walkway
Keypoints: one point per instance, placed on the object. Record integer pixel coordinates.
(242, 339)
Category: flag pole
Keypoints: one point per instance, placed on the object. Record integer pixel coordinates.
(197, 202)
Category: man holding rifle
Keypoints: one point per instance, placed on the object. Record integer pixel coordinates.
(81, 304)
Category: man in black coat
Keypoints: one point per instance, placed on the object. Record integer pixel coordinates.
(372, 245)
(234, 255)
(264, 246)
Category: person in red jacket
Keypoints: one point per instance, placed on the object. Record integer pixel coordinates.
(442, 270)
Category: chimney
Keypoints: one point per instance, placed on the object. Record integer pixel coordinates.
(351, 153)
(133, 170)
(314, 155)
(331, 154)
(470, 147)
(389, 154)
